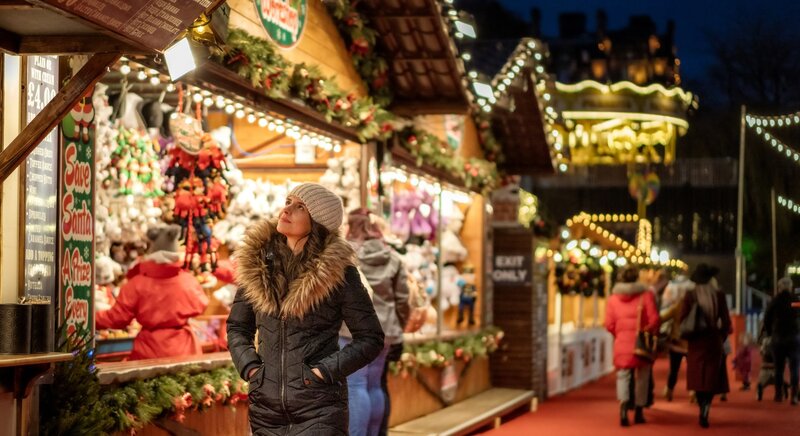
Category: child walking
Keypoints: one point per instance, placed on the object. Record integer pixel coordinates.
(743, 361)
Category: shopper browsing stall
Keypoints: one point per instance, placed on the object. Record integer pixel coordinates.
(386, 274)
(297, 284)
(161, 297)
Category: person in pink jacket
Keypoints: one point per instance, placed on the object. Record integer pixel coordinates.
(631, 308)
(162, 297)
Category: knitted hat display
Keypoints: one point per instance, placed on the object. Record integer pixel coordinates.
(324, 206)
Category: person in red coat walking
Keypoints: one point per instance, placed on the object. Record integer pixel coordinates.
(630, 309)
(162, 297)
(706, 372)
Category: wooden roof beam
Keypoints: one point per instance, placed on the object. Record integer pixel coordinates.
(9, 42)
(54, 112)
(74, 45)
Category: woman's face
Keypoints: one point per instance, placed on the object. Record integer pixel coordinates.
(294, 220)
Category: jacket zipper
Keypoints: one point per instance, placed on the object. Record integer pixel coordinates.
(283, 376)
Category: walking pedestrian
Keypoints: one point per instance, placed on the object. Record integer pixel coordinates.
(631, 309)
(705, 362)
(297, 283)
(671, 303)
(743, 361)
(385, 273)
(780, 323)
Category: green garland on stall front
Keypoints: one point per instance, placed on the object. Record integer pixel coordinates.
(438, 354)
(361, 39)
(257, 60)
(478, 174)
(136, 404)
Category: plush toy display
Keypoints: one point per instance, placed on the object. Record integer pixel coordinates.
(254, 201)
(342, 178)
(469, 294)
(128, 183)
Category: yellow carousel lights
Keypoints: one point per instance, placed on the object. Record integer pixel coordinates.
(619, 250)
(618, 123)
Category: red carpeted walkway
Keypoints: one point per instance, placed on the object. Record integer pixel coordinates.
(593, 410)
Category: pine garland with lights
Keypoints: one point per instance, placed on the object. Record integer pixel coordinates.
(257, 60)
(138, 403)
(439, 354)
(427, 148)
(360, 39)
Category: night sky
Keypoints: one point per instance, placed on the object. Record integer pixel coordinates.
(693, 19)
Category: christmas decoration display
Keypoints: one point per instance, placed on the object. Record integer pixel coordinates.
(258, 60)
(360, 40)
(438, 354)
(581, 275)
(341, 177)
(128, 178)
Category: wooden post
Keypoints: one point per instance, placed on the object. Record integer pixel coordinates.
(52, 114)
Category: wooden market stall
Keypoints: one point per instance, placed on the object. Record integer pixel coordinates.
(32, 35)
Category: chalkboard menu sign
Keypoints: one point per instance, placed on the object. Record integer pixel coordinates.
(151, 23)
(39, 236)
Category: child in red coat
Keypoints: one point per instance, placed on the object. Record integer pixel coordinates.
(743, 361)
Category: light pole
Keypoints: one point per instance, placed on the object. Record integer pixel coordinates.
(740, 217)
(774, 243)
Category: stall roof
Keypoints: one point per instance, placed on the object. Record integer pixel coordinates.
(518, 120)
(35, 27)
(427, 75)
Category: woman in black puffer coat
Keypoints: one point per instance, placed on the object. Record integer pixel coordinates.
(297, 283)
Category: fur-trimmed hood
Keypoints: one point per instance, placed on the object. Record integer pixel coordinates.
(316, 281)
(628, 290)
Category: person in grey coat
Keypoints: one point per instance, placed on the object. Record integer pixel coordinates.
(385, 273)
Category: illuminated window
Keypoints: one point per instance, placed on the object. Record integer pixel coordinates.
(599, 68)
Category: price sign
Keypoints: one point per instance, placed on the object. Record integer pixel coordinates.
(39, 235)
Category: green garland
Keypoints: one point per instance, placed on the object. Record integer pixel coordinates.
(361, 39)
(438, 354)
(257, 60)
(479, 174)
(138, 403)
(492, 149)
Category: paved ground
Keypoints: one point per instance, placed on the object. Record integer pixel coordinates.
(593, 411)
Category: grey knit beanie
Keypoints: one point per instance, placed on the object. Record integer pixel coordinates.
(324, 206)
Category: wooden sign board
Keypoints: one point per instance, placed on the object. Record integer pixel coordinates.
(150, 23)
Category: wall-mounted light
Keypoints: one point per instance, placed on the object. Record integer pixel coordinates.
(180, 59)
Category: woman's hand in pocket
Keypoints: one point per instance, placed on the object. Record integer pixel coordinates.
(318, 374)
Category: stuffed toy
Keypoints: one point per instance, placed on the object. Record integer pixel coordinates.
(106, 273)
(402, 205)
(451, 289)
(469, 293)
(453, 250)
